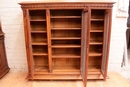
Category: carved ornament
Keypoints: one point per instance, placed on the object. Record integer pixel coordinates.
(62, 5)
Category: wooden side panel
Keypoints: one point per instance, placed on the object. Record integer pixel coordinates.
(28, 43)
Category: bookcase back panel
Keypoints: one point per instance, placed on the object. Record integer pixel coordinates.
(38, 37)
(96, 37)
(96, 25)
(64, 42)
(65, 33)
(66, 51)
(97, 14)
(66, 64)
(65, 12)
(38, 26)
(95, 60)
(94, 68)
(37, 14)
(95, 48)
(40, 61)
(94, 64)
(66, 23)
(39, 49)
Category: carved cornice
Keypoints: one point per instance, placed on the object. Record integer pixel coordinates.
(64, 5)
(24, 13)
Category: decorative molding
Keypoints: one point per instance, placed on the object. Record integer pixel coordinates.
(63, 5)
(47, 12)
(24, 13)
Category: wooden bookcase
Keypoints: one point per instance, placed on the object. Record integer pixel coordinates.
(3, 60)
(67, 40)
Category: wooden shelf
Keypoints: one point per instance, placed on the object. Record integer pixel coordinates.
(98, 41)
(65, 77)
(65, 28)
(57, 70)
(66, 46)
(56, 77)
(39, 37)
(65, 16)
(65, 22)
(37, 20)
(97, 19)
(38, 31)
(95, 43)
(66, 68)
(94, 68)
(97, 25)
(95, 54)
(39, 43)
(41, 68)
(96, 30)
(40, 54)
(65, 56)
(66, 38)
(95, 50)
(1, 34)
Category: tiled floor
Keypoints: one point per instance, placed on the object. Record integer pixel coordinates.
(125, 71)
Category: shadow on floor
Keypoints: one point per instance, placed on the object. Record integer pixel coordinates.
(125, 71)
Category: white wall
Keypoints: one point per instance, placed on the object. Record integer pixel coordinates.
(118, 34)
(12, 24)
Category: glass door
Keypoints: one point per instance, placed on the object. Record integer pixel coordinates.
(84, 47)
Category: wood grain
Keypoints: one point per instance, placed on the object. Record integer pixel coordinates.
(60, 34)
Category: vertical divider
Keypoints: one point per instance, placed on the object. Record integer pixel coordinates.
(49, 40)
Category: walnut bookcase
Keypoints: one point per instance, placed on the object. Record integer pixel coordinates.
(67, 40)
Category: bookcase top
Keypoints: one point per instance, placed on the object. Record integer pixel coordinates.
(66, 1)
